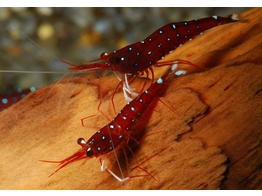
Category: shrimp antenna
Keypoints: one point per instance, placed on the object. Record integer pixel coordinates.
(32, 72)
(34, 42)
(40, 46)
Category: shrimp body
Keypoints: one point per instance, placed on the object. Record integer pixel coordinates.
(140, 56)
(113, 134)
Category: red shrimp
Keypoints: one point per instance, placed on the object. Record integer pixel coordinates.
(119, 129)
(11, 98)
(140, 56)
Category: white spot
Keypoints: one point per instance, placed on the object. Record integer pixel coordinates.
(119, 127)
(111, 126)
(146, 91)
(174, 26)
(234, 17)
(180, 72)
(98, 148)
(98, 131)
(190, 39)
(140, 100)
(142, 42)
(170, 51)
(4, 100)
(124, 117)
(159, 45)
(129, 48)
(120, 136)
(150, 39)
(132, 108)
(137, 53)
(19, 90)
(197, 26)
(168, 39)
(159, 81)
(32, 89)
(185, 23)
(103, 137)
(160, 31)
(122, 58)
(174, 67)
(215, 17)
(114, 51)
(201, 33)
(181, 45)
(177, 35)
(149, 52)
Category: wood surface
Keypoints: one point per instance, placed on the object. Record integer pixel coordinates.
(212, 139)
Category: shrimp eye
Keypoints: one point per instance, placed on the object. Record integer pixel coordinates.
(103, 55)
(114, 59)
(81, 141)
(89, 152)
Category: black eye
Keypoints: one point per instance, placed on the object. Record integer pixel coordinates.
(81, 142)
(89, 152)
(114, 59)
(103, 55)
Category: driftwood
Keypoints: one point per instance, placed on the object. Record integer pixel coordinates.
(213, 139)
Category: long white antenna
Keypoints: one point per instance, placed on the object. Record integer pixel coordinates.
(32, 72)
(35, 42)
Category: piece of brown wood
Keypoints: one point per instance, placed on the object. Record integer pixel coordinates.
(212, 141)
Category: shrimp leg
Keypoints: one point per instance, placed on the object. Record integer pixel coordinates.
(104, 168)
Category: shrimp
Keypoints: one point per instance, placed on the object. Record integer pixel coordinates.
(137, 58)
(112, 135)
(11, 98)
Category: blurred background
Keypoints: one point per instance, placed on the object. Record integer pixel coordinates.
(76, 35)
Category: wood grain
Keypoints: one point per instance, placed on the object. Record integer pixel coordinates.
(212, 141)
